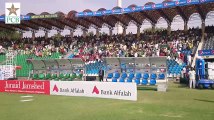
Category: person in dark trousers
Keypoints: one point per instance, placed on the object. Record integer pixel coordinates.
(101, 74)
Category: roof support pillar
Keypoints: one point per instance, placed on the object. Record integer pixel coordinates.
(97, 32)
(21, 34)
(59, 32)
(202, 28)
(153, 28)
(169, 29)
(138, 30)
(33, 34)
(110, 31)
(124, 30)
(84, 33)
(119, 29)
(185, 26)
(72, 33)
(46, 34)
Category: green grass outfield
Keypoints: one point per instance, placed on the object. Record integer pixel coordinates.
(179, 103)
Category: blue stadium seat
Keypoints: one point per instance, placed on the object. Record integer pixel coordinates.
(110, 75)
(145, 76)
(153, 76)
(137, 81)
(71, 56)
(129, 80)
(152, 82)
(138, 76)
(122, 80)
(124, 75)
(114, 80)
(161, 76)
(116, 75)
(131, 75)
(144, 81)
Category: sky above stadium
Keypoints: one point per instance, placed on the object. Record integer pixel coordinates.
(53, 6)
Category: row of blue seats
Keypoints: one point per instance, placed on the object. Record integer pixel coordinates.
(132, 75)
(137, 81)
(71, 56)
(93, 68)
(173, 67)
(187, 52)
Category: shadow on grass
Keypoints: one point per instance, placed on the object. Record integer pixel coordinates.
(149, 88)
(183, 86)
(211, 101)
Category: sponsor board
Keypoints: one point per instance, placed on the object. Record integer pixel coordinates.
(205, 52)
(25, 86)
(125, 91)
(44, 16)
(169, 4)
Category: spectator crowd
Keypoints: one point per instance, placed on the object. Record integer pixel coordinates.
(95, 48)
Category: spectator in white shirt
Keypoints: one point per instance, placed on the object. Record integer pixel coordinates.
(189, 59)
(136, 54)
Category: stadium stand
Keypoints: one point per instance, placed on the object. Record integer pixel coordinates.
(177, 47)
(209, 44)
(209, 40)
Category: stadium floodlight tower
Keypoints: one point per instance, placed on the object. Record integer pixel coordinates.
(119, 27)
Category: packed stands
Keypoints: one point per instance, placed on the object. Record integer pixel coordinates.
(209, 40)
(209, 44)
(178, 47)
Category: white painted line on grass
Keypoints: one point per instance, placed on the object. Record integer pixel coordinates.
(175, 116)
(26, 100)
(28, 96)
